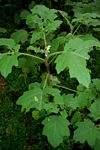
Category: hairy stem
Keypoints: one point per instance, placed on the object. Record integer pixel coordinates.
(70, 25)
(30, 55)
(63, 87)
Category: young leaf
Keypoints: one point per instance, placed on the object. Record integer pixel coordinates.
(7, 62)
(53, 26)
(44, 12)
(95, 110)
(86, 132)
(24, 14)
(96, 82)
(36, 36)
(56, 43)
(35, 49)
(20, 36)
(74, 57)
(55, 128)
(3, 30)
(9, 43)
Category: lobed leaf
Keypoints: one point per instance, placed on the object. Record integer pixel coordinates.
(7, 62)
(55, 128)
(20, 36)
(86, 132)
(9, 43)
(74, 58)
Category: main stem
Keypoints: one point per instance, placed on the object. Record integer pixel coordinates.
(46, 57)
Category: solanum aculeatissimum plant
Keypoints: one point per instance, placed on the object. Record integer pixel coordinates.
(64, 51)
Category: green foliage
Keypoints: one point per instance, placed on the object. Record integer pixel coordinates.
(8, 43)
(87, 131)
(20, 36)
(55, 126)
(60, 91)
(9, 57)
(95, 110)
(11, 60)
(74, 57)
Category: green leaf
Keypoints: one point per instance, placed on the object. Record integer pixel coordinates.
(9, 43)
(7, 62)
(58, 99)
(83, 99)
(44, 12)
(36, 36)
(76, 117)
(55, 128)
(54, 80)
(95, 110)
(53, 26)
(34, 21)
(36, 114)
(96, 82)
(90, 92)
(28, 64)
(3, 30)
(64, 114)
(97, 145)
(70, 101)
(33, 98)
(20, 36)
(86, 132)
(88, 19)
(74, 57)
(35, 49)
(51, 107)
(56, 43)
(24, 14)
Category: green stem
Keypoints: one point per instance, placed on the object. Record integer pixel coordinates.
(63, 87)
(52, 60)
(70, 25)
(45, 41)
(56, 53)
(30, 55)
(77, 28)
(45, 82)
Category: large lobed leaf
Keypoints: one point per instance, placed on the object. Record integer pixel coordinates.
(38, 98)
(74, 58)
(55, 128)
(87, 132)
(32, 99)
